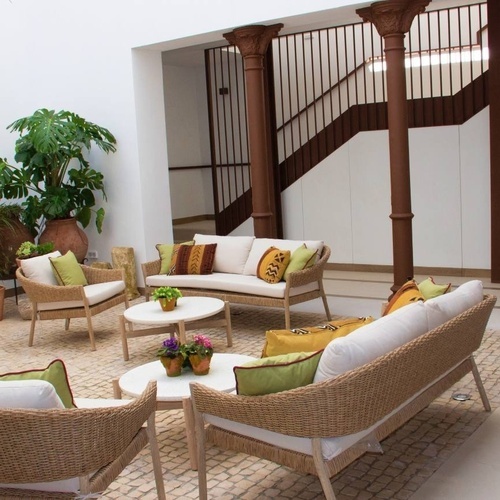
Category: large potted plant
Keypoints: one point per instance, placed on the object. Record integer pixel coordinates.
(54, 176)
(12, 233)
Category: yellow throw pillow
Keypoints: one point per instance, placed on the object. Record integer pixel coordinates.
(309, 338)
(301, 258)
(67, 270)
(165, 251)
(429, 289)
(195, 259)
(276, 374)
(272, 264)
(407, 294)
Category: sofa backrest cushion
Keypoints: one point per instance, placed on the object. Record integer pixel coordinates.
(232, 251)
(407, 294)
(310, 338)
(443, 308)
(39, 268)
(33, 394)
(372, 341)
(260, 245)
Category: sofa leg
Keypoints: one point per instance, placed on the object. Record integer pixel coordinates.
(479, 384)
(322, 470)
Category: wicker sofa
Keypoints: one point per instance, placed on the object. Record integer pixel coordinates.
(234, 274)
(361, 393)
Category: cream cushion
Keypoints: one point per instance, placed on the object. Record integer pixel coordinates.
(260, 245)
(372, 341)
(34, 394)
(250, 285)
(39, 268)
(231, 253)
(95, 293)
(443, 308)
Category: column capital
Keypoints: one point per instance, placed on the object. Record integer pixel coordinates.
(393, 16)
(253, 40)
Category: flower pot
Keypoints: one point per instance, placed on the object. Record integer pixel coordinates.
(167, 304)
(173, 366)
(66, 235)
(200, 366)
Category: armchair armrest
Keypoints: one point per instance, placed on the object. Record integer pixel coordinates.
(95, 275)
(41, 292)
(150, 268)
(313, 273)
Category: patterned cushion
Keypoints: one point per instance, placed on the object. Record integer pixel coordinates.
(309, 338)
(407, 294)
(272, 264)
(193, 259)
(165, 251)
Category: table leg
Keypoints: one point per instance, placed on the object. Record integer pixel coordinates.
(123, 333)
(190, 431)
(229, 330)
(117, 392)
(182, 332)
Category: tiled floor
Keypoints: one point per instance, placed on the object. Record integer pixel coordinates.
(437, 455)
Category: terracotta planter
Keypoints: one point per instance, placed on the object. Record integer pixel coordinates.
(66, 235)
(167, 304)
(200, 366)
(173, 366)
(11, 238)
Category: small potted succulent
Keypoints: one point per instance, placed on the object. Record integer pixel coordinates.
(172, 356)
(28, 249)
(199, 352)
(167, 296)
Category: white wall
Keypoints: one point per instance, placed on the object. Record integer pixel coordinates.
(345, 200)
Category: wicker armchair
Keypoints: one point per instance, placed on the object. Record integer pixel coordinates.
(93, 445)
(66, 302)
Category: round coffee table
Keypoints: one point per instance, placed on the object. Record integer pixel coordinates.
(172, 393)
(190, 310)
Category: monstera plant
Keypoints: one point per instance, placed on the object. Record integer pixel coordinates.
(53, 176)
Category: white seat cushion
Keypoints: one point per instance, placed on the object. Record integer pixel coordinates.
(95, 293)
(260, 245)
(35, 394)
(372, 341)
(39, 268)
(229, 283)
(231, 253)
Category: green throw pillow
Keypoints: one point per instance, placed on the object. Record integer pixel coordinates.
(276, 373)
(166, 250)
(55, 373)
(67, 270)
(301, 258)
(429, 289)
